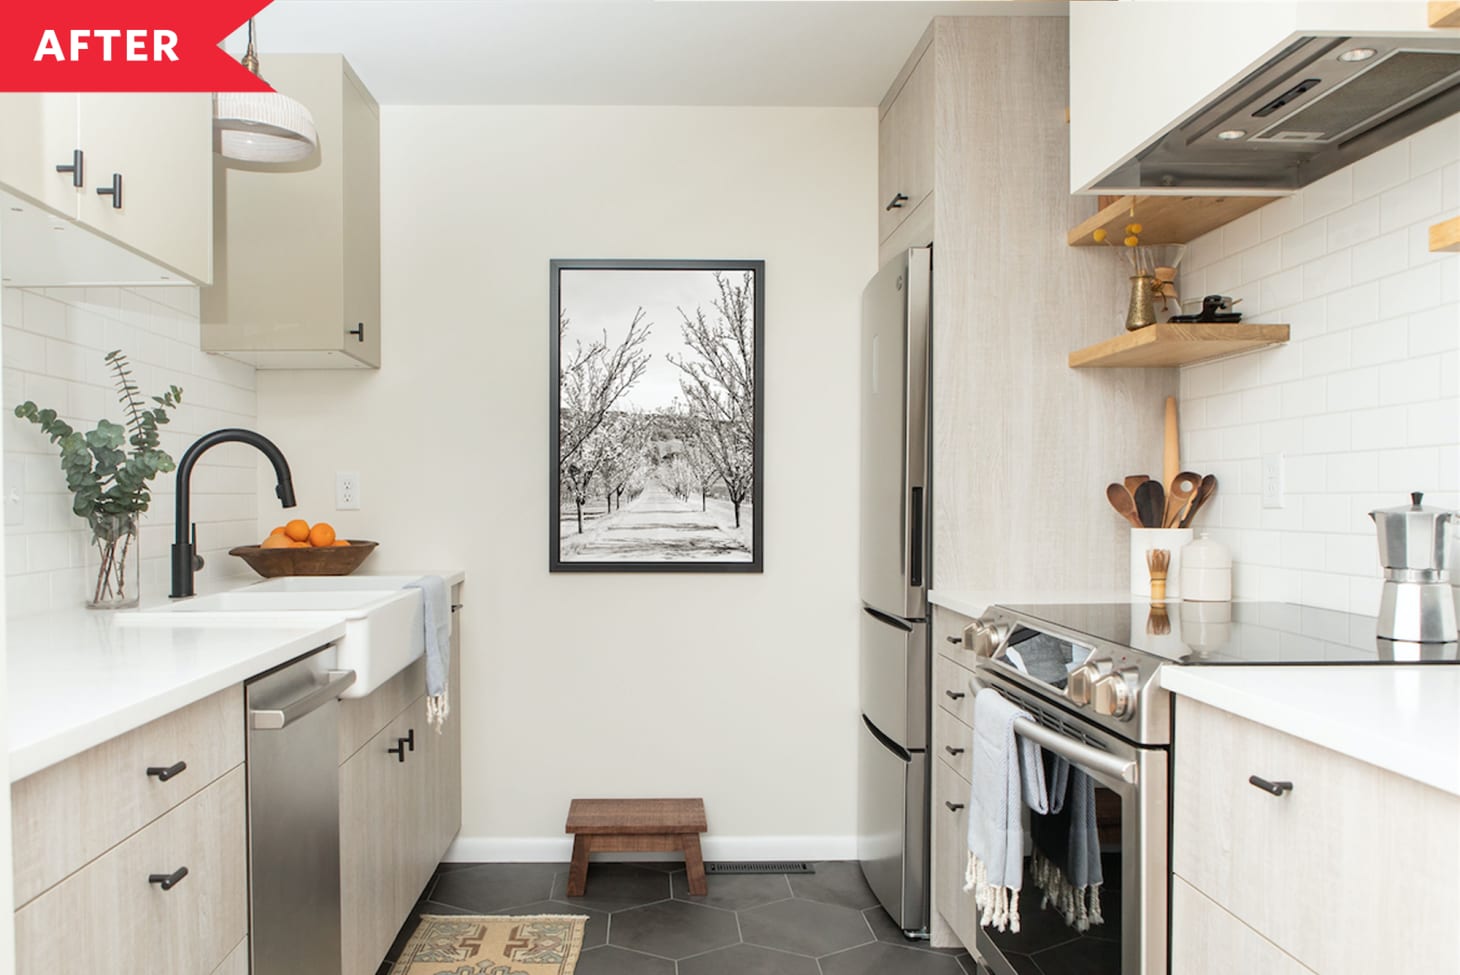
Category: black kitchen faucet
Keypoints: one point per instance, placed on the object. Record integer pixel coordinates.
(185, 559)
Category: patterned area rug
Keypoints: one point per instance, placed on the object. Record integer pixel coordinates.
(467, 945)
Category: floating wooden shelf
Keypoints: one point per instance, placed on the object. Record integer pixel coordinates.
(1166, 219)
(1445, 236)
(1177, 345)
(1444, 13)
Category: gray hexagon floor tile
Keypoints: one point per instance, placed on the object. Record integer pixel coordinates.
(835, 882)
(804, 927)
(595, 932)
(881, 958)
(617, 961)
(615, 887)
(735, 892)
(674, 929)
(485, 887)
(884, 929)
(749, 960)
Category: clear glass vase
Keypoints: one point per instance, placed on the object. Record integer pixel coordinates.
(112, 562)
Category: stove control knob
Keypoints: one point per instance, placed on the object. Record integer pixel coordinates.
(1115, 695)
(1080, 687)
(985, 639)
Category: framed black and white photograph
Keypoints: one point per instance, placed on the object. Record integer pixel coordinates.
(657, 416)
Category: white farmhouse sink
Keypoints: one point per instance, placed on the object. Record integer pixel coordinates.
(383, 624)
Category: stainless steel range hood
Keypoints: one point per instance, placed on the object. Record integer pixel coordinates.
(1315, 107)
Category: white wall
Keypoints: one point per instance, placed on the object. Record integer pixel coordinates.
(737, 688)
(55, 342)
(1363, 401)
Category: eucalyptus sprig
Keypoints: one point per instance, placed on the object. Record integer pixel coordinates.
(108, 469)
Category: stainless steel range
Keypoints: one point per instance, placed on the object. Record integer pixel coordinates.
(1090, 675)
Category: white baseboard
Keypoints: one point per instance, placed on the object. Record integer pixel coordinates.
(558, 849)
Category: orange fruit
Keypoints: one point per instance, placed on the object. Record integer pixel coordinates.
(277, 541)
(322, 535)
(339, 543)
(299, 545)
(297, 530)
(278, 530)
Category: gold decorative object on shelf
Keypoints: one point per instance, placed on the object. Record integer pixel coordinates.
(1142, 311)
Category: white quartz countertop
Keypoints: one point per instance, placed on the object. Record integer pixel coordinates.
(976, 602)
(1404, 718)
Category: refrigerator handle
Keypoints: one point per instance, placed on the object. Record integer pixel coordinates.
(915, 523)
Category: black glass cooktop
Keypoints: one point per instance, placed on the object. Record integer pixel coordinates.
(1240, 633)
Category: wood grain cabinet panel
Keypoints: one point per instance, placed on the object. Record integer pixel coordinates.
(107, 917)
(67, 815)
(905, 149)
(1206, 940)
(951, 692)
(361, 718)
(237, 961)
(951, 739)
(1351, 871)
(950, 852)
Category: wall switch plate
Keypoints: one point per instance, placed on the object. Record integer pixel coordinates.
(14, 499)
(1273, 481)
(347, 490)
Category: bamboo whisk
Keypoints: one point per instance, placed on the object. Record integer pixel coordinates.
(1158, 560)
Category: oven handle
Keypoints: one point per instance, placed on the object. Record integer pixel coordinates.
(1075, 752)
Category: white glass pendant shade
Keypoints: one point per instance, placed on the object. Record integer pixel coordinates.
(263, 127)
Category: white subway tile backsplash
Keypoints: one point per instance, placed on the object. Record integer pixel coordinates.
(1329, 195)
(1354, 389)
(1381, 257)
(1433, 148)
(1351, 471)
(1409, 380)
(1280, 216)
(1378, 172)
(1242, 233)
(1326, 354)
(1434, 330)
(1283, 288)
(1418, 199)
(1260, 261)
(1327, 274)
(1381, 342)
(1328, 433)
(1225, 276)
(1260, 403)
(1306, 243)
(1379, 428)
(1411, 469)
(1358, 305)
(1354, 224)
(1304, 398)
(1434, 423)
(1450, 187)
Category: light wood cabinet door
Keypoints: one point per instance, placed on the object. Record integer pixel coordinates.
(161, 145)
(905, 148)
(1350, 848)
(1206, 940)
(40, 134)
(950, 852)
(108, 917)
(237, 961)
(951, 689)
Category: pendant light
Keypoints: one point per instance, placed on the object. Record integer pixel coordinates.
(262, 126)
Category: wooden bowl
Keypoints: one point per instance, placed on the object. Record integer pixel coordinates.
(273, 562)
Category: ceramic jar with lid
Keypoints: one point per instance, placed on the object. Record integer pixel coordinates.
(1206, 571)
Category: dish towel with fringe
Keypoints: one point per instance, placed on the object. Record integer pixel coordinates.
(1066, 862)
(1008, 773)
(437, 618)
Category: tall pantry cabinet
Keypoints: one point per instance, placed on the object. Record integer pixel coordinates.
(973, 136)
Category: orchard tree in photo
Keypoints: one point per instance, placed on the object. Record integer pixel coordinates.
(619, 452)
(718, 382)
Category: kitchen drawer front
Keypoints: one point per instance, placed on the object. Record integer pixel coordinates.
(950, 740)
(950, 850)
(1351, 848)
(237, 961)
(108, 918)
(67, 815)
(361, 718)
(948, 628)
(950, 689)
(1206, 940)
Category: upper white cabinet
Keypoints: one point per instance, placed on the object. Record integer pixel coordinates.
(905, 145)
(1140, 68)
(298, 247)
(150, 154)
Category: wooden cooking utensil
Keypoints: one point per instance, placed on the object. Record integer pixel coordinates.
(1133, 481)
(1121, 500)
(1179, 495)
(1171, 458)
(1151, 503)
(1203, 495)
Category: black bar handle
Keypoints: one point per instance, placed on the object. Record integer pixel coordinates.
(897, 202)
(955, 695)
(358, 331)
(956, 640)
(399, 751)
(1276, 788)
(77, 168)
(915, 527)
(410, 739)
(171, 771)
(114, 191)
(953, 806)
(952, 751)
(167, 881)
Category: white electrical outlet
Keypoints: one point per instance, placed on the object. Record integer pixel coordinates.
(347, 491)
(1273, 480)
(14, 500)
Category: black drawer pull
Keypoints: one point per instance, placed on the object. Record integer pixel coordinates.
(952, 751)
(410, 739)
(399, 751)
(77, 168)
(358, 331)
(955, 640)
(1276, 788)
(955, 695)
(897, 202)
(172, 771)
(167, 881)
(953, 806)
(114, 191)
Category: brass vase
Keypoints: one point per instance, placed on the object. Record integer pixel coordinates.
(1142, 311)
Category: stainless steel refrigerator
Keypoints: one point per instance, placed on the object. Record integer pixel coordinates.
(895, 651)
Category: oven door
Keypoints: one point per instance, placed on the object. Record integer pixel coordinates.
(1126, 787)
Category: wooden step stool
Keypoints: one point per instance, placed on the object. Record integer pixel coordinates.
(636, 826)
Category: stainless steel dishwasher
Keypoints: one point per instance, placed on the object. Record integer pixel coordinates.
(294, 816)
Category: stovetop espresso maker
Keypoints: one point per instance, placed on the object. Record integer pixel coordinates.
(1417, 605)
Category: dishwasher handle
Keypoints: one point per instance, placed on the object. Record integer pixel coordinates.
(274, 719)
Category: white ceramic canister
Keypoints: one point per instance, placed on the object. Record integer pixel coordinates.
(1142, 540)
(1206, 571)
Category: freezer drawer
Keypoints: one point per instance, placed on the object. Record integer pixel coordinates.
(892, 837)
(894, 677)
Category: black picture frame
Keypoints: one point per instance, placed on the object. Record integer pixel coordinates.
(635, 551)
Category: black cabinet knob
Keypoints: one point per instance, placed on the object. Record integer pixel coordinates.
(167, 881)
(171, 771)
(1276, 788)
